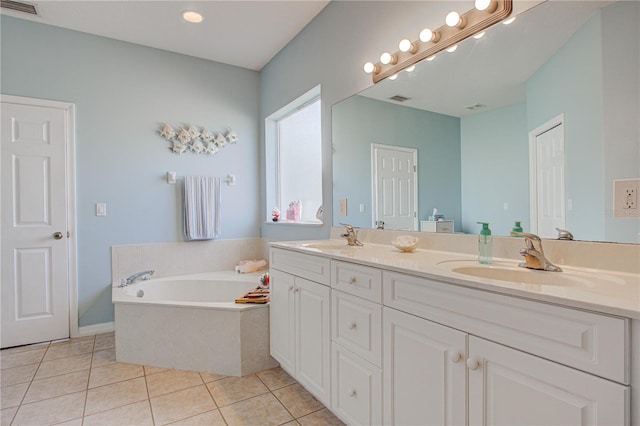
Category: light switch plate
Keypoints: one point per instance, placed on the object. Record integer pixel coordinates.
(625, 198)
(342, 207)
(101, 209)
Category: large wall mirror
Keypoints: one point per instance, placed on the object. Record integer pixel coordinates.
(532, 122)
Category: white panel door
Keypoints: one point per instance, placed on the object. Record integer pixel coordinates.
(35, 280)
(424, 372)
(281, 319)
(395, 191)
(547, 186)
(509, 387)
(313, 350)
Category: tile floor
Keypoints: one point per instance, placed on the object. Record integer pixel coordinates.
(78, 382)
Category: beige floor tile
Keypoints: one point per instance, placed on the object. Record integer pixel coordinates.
(260, 410)
(63, 366)
(297, 400)
(233, 389)
(57, 386)
(115, 395)
(171, 381)
(322, 417)
(91, 338)
(74, 422)
(71, 349)
(24, 348)
(51, 411)
(13, 376)
(149, 370)
(210, 418)
(105, 341)
(11, 396)
(135, 414)
(276, 378)
(6, 415)
(211, 377)
(182, 404)
(113, 373)
(21, 358)
(102, 358)
(292, 423)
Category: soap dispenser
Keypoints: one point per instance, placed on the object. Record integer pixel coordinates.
(517, 227)
(485, 244)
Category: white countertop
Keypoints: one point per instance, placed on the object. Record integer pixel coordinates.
(608, 292)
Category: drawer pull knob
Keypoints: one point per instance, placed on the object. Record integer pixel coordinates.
(352, 280)
(352, 392)
(455, 356)
(351, 325)
(473, 364)
(296, 289)
(290, 287)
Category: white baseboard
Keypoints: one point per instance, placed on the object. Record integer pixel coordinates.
(90, 330)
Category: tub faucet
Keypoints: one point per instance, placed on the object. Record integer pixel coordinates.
(533, 254)
(563, 234)
(351, 235)
(144, 275)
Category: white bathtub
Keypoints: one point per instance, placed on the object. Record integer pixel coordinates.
(191, 322)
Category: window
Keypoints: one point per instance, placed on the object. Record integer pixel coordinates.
(294, 160)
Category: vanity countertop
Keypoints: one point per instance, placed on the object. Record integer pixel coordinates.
(608, 292)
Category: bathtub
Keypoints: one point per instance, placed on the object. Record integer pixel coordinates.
(191, 322)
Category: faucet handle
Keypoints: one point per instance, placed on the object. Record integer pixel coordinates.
(526, 235)
(563, 234)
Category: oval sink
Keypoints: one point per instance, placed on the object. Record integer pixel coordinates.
(329, 245)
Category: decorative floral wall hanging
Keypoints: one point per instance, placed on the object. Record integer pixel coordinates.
(198, 141)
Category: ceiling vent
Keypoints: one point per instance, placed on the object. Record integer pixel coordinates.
(19, 6)
(399, 98)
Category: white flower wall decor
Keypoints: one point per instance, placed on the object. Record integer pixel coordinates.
(195, 140)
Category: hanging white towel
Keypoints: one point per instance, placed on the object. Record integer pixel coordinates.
(201, 207)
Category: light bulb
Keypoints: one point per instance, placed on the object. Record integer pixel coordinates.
(488, 5)
(407, 46)
(369, 68)
(479, 35)
(427, 35)
(387, 58)
(411, 68)
(192, 16)
(431, 58)
(454, 19)
(393, 77)
(452, 48)
(510, 20)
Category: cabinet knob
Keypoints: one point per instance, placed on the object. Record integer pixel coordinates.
(290, 287)
(351, 325)
(473, 364)
(296, 289)
(455, 356)
(352, 280)
(352, 392)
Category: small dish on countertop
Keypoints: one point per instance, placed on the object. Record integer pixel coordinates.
(405, 243)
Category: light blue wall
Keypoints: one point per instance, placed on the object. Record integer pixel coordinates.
(362, 121)
(571, 82)
(122, 93)
(495, 144)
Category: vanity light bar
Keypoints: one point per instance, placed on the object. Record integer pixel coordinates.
(470, 23)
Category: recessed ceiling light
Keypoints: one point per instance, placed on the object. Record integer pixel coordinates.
(192, 16)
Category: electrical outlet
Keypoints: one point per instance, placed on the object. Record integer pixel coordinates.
(625, 198)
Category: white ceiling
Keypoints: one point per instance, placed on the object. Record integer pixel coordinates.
(242, 33)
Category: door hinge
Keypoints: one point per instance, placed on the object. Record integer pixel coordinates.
(68, 234)
(415, 214)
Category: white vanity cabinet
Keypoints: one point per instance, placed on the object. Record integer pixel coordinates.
(299, 319)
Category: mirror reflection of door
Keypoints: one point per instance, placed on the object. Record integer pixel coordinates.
(546, 156)
(395, 189)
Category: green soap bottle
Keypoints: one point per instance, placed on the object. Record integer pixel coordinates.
(517, 227)
(485, 244)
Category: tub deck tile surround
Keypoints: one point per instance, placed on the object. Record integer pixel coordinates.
(78, 382)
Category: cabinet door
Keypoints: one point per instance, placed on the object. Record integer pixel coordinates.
(313, 351)
(424, 372)
(281, 319)
(509, 387)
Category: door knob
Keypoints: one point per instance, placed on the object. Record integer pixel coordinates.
(57, 235)
(473, 364)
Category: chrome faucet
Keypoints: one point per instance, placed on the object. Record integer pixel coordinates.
(563, 234)
(351, 235)
(533, 253)
(144, 275)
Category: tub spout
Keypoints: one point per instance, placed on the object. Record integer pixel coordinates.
(144, 275)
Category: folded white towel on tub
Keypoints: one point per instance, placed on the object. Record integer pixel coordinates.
(201, 207)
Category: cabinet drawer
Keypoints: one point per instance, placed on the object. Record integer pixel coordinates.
(598, 344)
(357, 325)
(358, 280)
(356, 388)
(314, 268)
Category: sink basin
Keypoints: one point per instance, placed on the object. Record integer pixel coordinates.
(330, 245)
(511, 272)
